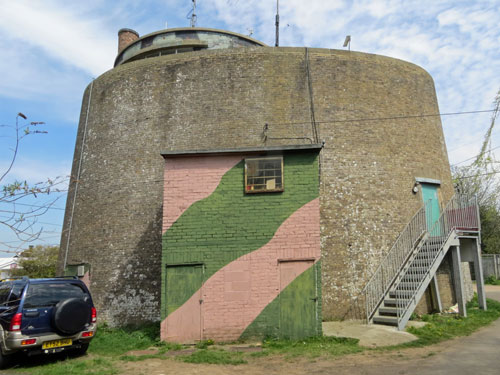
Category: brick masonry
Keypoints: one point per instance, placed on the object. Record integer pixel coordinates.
(125, 37)
(242, 276)
(222, 99)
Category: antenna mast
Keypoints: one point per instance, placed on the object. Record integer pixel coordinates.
(193, 14)
(277, 23)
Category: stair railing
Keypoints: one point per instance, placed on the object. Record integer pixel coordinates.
(461, 214)
(390, 266)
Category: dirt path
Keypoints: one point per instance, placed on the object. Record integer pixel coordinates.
(371, 362)
(474, 354)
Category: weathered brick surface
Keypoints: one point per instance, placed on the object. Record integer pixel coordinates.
(190, 179)
(125, 37)
(237, 293)
(223, 99)
(446, 287)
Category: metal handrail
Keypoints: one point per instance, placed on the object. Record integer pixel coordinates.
(396, 257)
(460, 214)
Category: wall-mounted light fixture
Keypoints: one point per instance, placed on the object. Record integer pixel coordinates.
(415, 187)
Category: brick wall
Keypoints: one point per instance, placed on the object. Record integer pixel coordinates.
(125, 37)
(240, 239)
(223, 99)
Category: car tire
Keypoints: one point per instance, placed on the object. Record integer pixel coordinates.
(80, 351)
(71, 316)
(5, 360)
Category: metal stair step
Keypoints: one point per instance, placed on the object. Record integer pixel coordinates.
(421, 263)
(408, 278)
(391, 311)
(425, 255)
(387, 320)
(401, 293)
(433, 244)
(405, 285)
(417, 269)
(392, 301)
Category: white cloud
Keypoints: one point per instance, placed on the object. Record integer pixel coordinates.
(59, 32)
(456, 42)
(36, 170)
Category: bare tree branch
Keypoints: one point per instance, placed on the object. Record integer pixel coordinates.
(20, 218)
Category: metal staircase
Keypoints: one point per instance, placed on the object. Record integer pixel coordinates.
(404, 274)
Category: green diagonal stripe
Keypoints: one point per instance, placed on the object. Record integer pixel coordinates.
(229, 223)
(292, 302)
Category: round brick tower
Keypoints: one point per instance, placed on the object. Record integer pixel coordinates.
(204, 89)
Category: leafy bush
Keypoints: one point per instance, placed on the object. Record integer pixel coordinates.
(492, 280)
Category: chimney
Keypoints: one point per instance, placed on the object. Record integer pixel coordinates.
(125, 37)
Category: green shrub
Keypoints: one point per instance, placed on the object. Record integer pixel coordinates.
(117, 341)
(492, 280)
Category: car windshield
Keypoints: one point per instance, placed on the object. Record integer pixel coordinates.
(49, 294)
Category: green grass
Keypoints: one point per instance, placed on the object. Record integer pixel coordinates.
(214, 356)
(444, 327)
(105, 349)
(95, 366)
(116, 341)
(311, 347)
(111, 345)
(139, 358)
(204, 344)
(492, 280)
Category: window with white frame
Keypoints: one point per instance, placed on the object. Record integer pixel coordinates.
(264, 174)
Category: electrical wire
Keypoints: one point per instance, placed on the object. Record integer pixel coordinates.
(470, 143)
(385, 118)
(305, 122)
(474, 157)
(479, 175)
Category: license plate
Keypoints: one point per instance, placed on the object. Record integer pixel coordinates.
(56, 343)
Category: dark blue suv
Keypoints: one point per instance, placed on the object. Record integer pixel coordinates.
(43, 316)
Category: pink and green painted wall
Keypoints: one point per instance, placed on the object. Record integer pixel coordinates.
(238, 265)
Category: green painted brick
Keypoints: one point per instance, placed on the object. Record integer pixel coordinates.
(248, 221)
(269, 322)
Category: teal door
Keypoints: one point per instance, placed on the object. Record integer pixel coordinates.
(431, 202)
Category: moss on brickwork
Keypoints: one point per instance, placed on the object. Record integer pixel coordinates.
(229, 223)
(374, 148)
(296, 304)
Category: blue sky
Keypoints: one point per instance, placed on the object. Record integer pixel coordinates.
(51, 49)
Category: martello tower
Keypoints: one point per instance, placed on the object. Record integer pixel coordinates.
(202, 89)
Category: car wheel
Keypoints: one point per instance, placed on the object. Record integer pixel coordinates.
(71, 316)
(5, 360)
(80, 351)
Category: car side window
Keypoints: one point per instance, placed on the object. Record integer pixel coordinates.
(15, 294)
(4, 292)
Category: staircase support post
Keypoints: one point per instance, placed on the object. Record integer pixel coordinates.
(436, 297)
(478, 270)
(458, 280)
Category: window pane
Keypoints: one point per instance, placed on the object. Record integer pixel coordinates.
(264, 174)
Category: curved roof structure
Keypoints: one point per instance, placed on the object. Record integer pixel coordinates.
(179, 40)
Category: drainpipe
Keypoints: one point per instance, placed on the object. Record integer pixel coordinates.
(77, 177)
